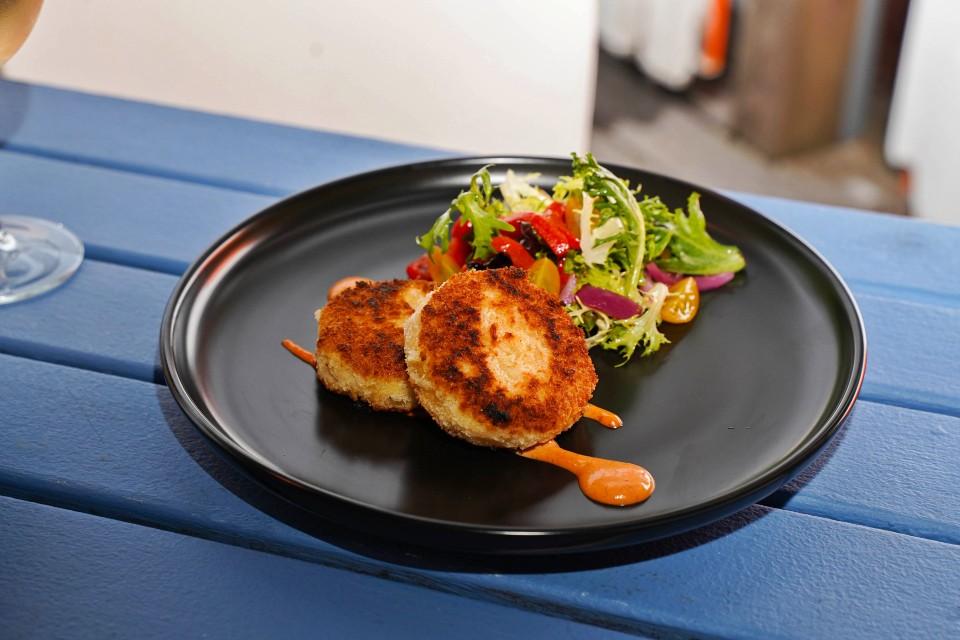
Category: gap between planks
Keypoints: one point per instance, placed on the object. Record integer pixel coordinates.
(146, 170)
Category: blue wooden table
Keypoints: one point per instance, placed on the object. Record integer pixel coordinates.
(118, 519)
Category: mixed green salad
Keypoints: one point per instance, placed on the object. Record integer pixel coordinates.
(621, 263)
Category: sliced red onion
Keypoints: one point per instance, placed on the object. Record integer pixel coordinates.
(660, 275)
(612, 304)
(569, 289)
(706, 283)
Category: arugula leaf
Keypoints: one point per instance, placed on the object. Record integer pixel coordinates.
(693, 251)
(478, 207)
(439, 233)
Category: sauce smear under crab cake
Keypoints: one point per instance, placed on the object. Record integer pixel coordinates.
(496, 360)
(360, 342)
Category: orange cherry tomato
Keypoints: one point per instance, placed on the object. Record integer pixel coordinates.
(682, 302)
(544, 274)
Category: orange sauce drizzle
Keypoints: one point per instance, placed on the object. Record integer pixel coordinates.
(606, 418)
(300, 352)
(604, 481)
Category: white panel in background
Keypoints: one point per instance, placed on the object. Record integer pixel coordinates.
(493, 76)
(923, 131)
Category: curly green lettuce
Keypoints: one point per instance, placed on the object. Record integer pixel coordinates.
(691, 249)
(612, 226)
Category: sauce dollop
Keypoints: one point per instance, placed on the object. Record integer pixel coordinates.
(605, 481)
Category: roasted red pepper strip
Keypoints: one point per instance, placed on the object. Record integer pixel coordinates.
(554, 236)
(557, 213)
(460, 229)
(515, 219)
(419, 269)
(459, 250)
(519, 256)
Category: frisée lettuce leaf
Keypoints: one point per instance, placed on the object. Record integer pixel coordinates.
(618, 246)
(624, 336)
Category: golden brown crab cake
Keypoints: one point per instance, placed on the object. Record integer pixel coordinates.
(360, 342)
(495, 360)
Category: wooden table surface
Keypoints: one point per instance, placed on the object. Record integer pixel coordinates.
(117, 518)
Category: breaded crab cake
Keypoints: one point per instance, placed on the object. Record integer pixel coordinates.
(360, 342)
(495, 360)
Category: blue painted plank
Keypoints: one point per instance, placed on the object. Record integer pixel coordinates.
(80, 576)
(894, 256)
(185, 145)
(122, 217)
(889, 255)
(890, 468)
(913, 356)
(107, 318)
(121, 448)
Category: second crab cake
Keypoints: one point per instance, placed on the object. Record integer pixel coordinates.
(496, 360)
(360, 342)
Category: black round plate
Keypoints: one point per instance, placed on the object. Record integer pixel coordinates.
(740, 401)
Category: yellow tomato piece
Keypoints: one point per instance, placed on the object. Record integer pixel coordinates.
(442, 266)
(544, 274)
(682, 302)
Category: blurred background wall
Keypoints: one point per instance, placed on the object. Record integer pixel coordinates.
(847, 102)
(492, 76)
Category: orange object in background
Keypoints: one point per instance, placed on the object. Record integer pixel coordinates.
(716, 38)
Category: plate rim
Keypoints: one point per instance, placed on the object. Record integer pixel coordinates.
(765, 484)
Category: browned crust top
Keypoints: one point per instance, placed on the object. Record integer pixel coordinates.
(455, 353)
(364, 326)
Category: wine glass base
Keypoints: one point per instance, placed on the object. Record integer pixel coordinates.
(36, 256)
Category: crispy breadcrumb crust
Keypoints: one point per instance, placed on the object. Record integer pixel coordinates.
(497, 361)
(360, 342)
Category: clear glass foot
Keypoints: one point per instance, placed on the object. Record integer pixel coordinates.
(36, 255)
